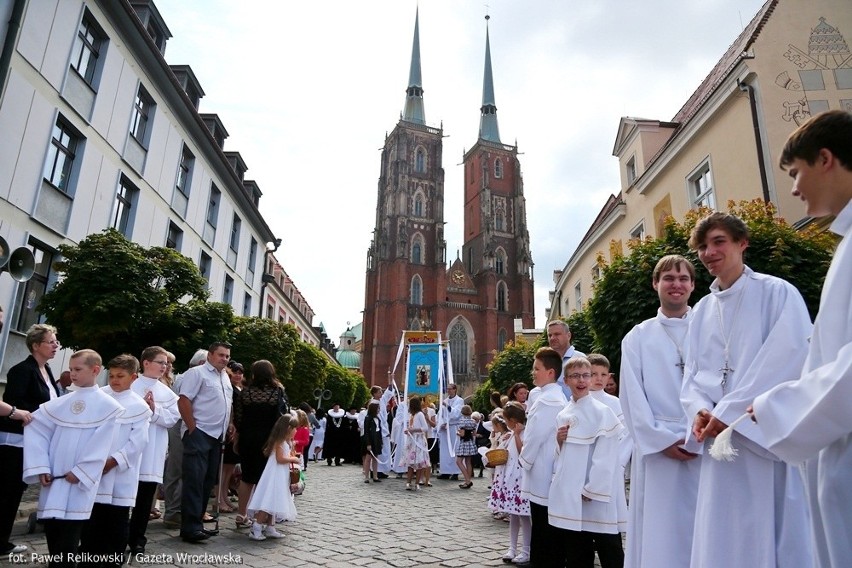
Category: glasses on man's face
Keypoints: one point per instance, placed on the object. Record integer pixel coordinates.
(163, 363)
(54, 342)
(576, 376)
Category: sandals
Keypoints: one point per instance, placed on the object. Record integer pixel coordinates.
(467, 485)
(154, 515)
(226, 508)
(208, 518)
(243, 521)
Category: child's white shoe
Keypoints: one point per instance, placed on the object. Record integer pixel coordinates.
(272, 532)
(521, 559)
(509, 556)
(256, 532)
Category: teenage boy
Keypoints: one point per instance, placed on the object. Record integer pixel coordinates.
(747, 336)
(105, 534)
(65, 449)
(583, 509)
(539, 449)
(809, 419)
(165, 415)
(664, 472)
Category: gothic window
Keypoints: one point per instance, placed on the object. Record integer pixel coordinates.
(416, 290)
(458, 348)
(420, 161)
(499, 221)
(502, 296)
(500, 261)
(417, 250)
(418, 205)
(501, 339)
(498, 168)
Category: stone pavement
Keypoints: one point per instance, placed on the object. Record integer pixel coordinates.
(342, 522)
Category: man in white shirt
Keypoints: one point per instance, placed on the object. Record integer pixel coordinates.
(748, 335)
(559, 339)
(809, 418)
(664, 474)
(205, 402)
(448, 425)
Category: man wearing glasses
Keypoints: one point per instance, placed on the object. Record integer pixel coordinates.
(163, 403)
(205, 402)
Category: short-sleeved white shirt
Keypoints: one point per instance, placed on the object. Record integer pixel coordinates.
(211, 394)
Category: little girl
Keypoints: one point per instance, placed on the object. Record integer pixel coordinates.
(303, 433)
(416, 457)
(466, 448)
(506, 493)
(500, 437)
(272, 501)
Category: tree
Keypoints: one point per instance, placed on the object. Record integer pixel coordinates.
(309, 370)
(341, 384)
(115, 296)
(513, 364)
(624, 296)
(253, 339)
(362, 393)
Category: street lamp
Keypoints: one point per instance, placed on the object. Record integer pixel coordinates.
(271, 247)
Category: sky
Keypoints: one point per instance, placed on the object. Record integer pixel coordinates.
(308, 90)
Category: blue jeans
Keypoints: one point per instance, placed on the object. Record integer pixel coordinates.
(201, 453)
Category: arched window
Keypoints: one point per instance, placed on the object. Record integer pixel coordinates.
(498, 168)
(500, 261)
(502, 296)
(420, 161)
(416, 290)
(418, 205)
(417, 252)
(458, 348)
(499, 220)
(501, 339)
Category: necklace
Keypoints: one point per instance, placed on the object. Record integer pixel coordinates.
(727, 340)
(678, 346)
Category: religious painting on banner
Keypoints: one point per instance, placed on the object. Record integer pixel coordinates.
(423, 361)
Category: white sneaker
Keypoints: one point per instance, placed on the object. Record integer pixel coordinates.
(272, 532)
(521, 558)
(509, 556)
(255, 533)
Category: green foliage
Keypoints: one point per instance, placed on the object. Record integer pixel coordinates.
(192, 326)
(362, 392)
(116, 296)
(253, 339)
(511, 365)
(624, 295)
(309, 369)
(581, 332)
(342, 385)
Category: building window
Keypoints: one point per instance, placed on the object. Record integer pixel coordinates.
(204, 266)
(578, 296)
(420, 161)
(270, 312)
(498, 168)
(630, 168)
(59, 165)
(418, 205)
(500, 221)
(184, 175)
(234, 242)
(596, 273)
(416, 290)
(701, 190)
(125, 202)
(459, 348)
(417, 250)
(501, 339)
(31, 292)
(638, 231)
(228, 290)
(213, 206)
(174, 238)
(252, 256)
(142, 114)
(87, 49)
(247, 304)
(500, 262)
(502, 296)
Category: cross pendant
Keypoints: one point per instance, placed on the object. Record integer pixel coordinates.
(725, 370)
(680, 364)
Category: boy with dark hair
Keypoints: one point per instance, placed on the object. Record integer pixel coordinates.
(65, 449)
(809, 418)
(539, 449)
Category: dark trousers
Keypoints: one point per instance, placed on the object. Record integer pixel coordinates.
(141, 514)
(610, 551)
(305, 451)
(11, 490)
(105, 535)
(63, 541)
(541, 536)
(201, 454)
(571, 549)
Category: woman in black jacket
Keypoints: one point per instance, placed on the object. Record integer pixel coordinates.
(371, 443)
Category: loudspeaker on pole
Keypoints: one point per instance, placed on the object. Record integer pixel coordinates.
(20, 264)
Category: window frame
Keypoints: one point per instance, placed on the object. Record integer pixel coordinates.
(186, 164)
(88, 28)
(142, 117)
(702, 196)
(126, 200)
(177, 241)
(498, 168)
(69, 151)
(415, 291)
(28, 296)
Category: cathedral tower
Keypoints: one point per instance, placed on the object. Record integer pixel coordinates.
(473, 303)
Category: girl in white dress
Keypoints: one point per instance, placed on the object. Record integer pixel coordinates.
(272, 501)
(416, 456)
(506, 493)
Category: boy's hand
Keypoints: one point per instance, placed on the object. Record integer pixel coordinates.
(561, 434)
(110, 464)
(700, 422)
(675, 452)
(44, 479)
(71, 478)
(149, 398)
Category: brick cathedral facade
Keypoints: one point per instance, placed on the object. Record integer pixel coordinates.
(474, 301)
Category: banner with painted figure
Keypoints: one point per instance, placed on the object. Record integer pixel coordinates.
(423, 372)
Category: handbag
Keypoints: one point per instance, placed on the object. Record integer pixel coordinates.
(283, 403)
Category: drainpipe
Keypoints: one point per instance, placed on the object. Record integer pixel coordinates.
(9, 44)
(758, 143)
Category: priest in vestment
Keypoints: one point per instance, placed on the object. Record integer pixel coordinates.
(748, 335)
(448, 424)
(664, 473)
(809, 420)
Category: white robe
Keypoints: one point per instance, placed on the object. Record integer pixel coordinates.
(385, 463)
(751, 511)
(398, 435)
(448, 424)
(118, 486)
(810, 418)
(72, 433)
(165, 416)
(663, 491)
(539, 450)
(625, 450)
(587, 465)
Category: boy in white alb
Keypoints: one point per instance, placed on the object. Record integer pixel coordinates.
(582, 506)
(65, 448)
(105, 534)
(165, 415)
